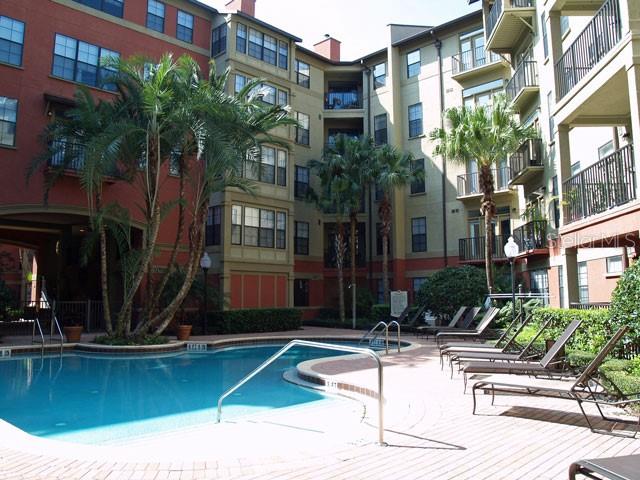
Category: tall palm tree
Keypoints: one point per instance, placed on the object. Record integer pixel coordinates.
(486, 135)
(357, 156)
(392, 171)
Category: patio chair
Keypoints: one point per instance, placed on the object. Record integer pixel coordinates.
(626, 467)
(586, 388)
(425, 330)
(476, 334)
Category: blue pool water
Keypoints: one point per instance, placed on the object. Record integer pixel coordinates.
(99, 399)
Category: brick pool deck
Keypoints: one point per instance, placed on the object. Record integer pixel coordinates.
(430, 431)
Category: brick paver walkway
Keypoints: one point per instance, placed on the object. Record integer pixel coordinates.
(430, 431)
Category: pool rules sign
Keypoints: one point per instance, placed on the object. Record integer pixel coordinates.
(399, 302)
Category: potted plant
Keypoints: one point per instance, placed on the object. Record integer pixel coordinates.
(184, 331)
(72, 333)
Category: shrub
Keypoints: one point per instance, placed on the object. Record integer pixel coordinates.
(580, 359)
(447, 290)
(364, 301)
(625, 303)
(130, 341)
(361, 323)
(616, 365)
(591, 335)
(628, 384)
(380, 312)
(505, 315)
(255, 320)
(328, 313)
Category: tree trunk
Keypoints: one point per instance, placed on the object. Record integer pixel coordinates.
(104, 274)
(340, 251)
(352, 245)
(488, 209)
(385, 230)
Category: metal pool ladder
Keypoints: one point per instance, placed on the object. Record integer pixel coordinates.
(326, 346)
(386, 334)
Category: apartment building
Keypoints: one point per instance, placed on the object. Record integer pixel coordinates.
(574, 73)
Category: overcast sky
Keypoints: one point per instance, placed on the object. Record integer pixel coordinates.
(361, 25)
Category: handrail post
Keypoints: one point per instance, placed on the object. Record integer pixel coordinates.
(398, 339)
(386, 339)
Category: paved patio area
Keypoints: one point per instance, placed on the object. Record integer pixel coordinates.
(429, 428)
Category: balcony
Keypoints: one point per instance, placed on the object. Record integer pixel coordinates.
(469, 184)
(67, 155)
(523, 87)
(584, 7)
(531, 236)
(604, 185)
(342, 100)
(507, 22)
(600, 35)
(526, 162)
(465, 65)
(471, 250)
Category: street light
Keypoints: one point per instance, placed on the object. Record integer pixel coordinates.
(205, 264)
(511, 250)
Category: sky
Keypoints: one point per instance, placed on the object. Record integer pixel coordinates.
(361, 25)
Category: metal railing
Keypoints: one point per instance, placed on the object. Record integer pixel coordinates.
(590, 305)
(472, 249)
(526, 75)
(531, 235)
(326, 346)
(469, 183)
(499, 6)
(342, 100)
(600, 35)
(471, 59)
(528, 155)
(69, 155)
(385, 329)
(606, 184)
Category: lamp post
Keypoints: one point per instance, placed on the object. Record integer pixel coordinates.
(511, 250)
(205, 264)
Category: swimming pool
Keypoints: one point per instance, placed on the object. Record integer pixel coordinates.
(100, 399)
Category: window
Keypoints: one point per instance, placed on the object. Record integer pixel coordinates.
(379, 240)
(575, 168)
(380, 129)
(80, 62)
(556, 201)
(561, 286)
(283, 55)
(481, 94)
(564, 25)
(413, 63)
(302, 131)
(241, 38)
(184, 29)
(219, 40)
(236, 224)
(256, 39)
(380, 75)
(112, 7)
(540, 284)
(419, 234)
(301, 238)
(614, 264)
(417, 186)
(605, 150)
(268, 167)
(267, 225)
(301, 292)
(301, 185)
(583, 283)
(281, 171)
(552, 122)
(269, 51)
(545, 39)
(415, 120)
(155, 15)
(269, 93)
(214, 224)
(379, 193)
(416, 283)
(303, 74)
(174, 162)
(8, 120)
(11, 41)
(281, 230)
(240, 82)
(283, 98)
(251, 226)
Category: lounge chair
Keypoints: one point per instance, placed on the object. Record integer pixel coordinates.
(586, 388)
(626, 467)
(425, 330)
(476, 334)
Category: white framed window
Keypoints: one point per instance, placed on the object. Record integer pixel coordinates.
(614, 264)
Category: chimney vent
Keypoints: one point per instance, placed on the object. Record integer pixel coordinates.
(247, 7)
(329, 48)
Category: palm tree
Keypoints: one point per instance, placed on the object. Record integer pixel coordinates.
(487, 135)
(357, 158)
(392, 171)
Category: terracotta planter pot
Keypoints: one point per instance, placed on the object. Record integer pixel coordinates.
(184, 332)
(72, 333)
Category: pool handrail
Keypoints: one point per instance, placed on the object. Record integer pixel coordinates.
(398, 338)
(375, 327)
(327, 346)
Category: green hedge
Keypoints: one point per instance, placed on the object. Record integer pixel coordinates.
(625, 303)
(380, 312)
(255, 320)
(361, 323)
(594, 332)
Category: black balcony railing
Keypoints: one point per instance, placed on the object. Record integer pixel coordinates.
(342, 100)
(67, 154)
(498, 7)
(471, 59)
(472, 249)
(600, 35)
(603, 185)
(526, 75)
(531, 235)
(528, 155)
(469, 184)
